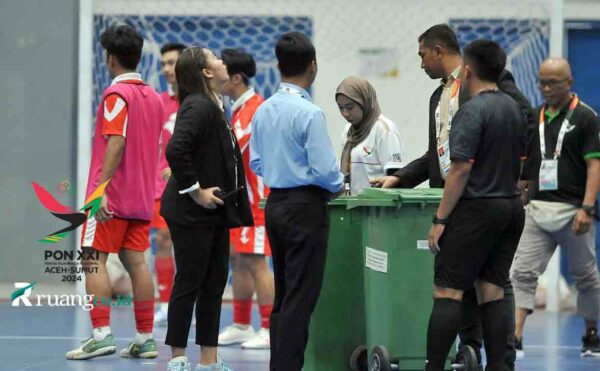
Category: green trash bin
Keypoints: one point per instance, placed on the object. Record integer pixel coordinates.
(398, 275)
(337, 326)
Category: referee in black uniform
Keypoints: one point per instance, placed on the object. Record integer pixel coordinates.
(440, 55)
(479, 222)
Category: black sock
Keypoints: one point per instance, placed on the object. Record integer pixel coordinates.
(495, 322)
(441, 333)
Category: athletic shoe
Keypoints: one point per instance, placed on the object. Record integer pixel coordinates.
(236, 335)
(134, 350)
(179, 364)
(591, 344)
(219, 366)
(91, 348)
(519, 348)
(160, 318)
(262, 340)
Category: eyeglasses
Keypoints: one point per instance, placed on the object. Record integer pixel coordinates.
(550, 83)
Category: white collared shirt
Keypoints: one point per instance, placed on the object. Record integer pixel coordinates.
(373, 157)
(242, 99)
(127, 76)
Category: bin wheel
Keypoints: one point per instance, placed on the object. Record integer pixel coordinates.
(380, 359)
(466, 359)
(359, 359)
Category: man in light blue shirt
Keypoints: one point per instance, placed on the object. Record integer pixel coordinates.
(291, 150)
(290, 146)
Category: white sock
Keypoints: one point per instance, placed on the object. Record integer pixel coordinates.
(164, 307)
(100, 333)
(142, 338)
(240, 326)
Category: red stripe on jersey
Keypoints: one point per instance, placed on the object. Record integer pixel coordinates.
(115, 116)
(242, 127)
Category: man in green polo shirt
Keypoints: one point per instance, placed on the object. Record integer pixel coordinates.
(563, 210)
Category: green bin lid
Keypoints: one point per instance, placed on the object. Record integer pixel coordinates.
(396, 196)
(340, 201)
(386, 197)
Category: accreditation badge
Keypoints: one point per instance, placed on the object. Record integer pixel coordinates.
(443, 152)
(549, 175)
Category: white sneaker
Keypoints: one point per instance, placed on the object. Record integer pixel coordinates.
(262, 340)
(160, 318)
(179, 364)
(236, 335)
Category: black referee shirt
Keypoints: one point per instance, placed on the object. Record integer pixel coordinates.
(490, 131)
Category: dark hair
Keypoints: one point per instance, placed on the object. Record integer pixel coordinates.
(125, 44)
(170, 47)
(190, 78)
(440, 34)
(486, 58)
(240, 62)
(295, 52)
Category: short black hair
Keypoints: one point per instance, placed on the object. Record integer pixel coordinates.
(486, 58)
(295, 52)
(125, 44)
(240, 62)
(170, 47)
(440, 34)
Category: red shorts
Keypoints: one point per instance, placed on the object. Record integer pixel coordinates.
(158, 222)
(250, 240)
(115, 234)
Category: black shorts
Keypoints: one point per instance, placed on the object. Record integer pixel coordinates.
(479, 242)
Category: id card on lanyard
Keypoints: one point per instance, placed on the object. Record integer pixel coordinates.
(443, 133)
(549, 167)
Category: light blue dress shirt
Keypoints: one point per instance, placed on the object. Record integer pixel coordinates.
(290, 146)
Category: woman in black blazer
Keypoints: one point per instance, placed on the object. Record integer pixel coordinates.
(204, 158)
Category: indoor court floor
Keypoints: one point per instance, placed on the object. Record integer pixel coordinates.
(37, 338)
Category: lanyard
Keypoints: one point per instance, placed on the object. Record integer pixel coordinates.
(563, 128)
(438, 115)
(290, 90)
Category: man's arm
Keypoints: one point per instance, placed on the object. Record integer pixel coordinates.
(590, 151)
(465, 138)
(583, 221)
(321, 157)
(112, 159)
(415, 173)
(255, 163)
(454, 187)
(456, 181)
(531, 165)
(114, 128)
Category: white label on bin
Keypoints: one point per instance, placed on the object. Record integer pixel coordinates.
(376, 260)
(422, 245)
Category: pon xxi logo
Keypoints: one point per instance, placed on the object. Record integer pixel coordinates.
(66, 213)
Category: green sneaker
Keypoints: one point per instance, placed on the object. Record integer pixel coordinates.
(91, 348)
(146, 350)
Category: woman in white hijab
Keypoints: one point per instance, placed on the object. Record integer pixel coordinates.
(372, 145)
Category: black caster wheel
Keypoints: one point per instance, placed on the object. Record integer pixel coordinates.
(359, 359)
(380, 359)
(466, 359)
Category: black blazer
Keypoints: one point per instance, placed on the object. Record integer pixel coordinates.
(201, 150)
(427, 166)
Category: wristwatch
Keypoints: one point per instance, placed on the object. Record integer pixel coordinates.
(589, 209)
(437, 220)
